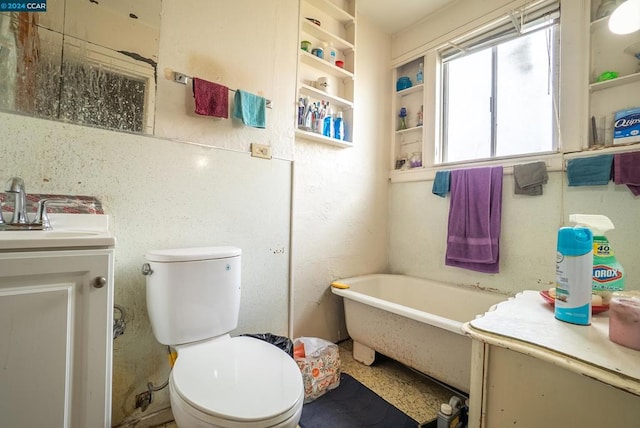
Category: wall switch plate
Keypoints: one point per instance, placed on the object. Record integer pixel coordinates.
(260, 151)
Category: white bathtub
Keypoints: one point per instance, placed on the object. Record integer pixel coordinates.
(414, 321)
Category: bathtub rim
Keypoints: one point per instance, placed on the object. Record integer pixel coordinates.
(414, 314)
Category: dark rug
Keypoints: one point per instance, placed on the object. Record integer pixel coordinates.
(352, 405)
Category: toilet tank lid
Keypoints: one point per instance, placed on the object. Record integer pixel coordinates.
(192, 254)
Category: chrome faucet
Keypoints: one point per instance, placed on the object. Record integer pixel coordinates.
(20, 220)
(15, 185)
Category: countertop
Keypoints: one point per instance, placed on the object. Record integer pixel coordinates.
(526, 323)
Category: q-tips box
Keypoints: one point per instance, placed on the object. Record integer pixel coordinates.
(626, 126)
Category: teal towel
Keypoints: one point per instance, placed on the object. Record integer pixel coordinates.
(441, 183)
(250, 109)
(591, 171)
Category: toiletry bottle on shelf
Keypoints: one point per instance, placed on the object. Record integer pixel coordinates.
(338, 127)
(301, 104)
(608, 273)
(574, 267)
(331, 54)
(327, 128)
(420, 75)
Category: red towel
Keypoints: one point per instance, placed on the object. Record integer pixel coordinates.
(626, 170)
(211, 99)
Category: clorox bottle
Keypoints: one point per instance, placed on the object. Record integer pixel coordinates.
(608, 274)
(574, 262)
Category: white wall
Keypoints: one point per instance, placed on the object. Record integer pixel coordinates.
(418, 219)
(165, 194)
(340, 198)
(418, 230)
(245, 44)
(162, 194)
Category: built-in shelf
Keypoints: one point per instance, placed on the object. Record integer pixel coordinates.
(325, 66)
(598, 24)
(341, 15)
(411, 90)
(622, 80)
(322, 34)
(319, 138)
(335, 30)
(409, 130)
(317, 93)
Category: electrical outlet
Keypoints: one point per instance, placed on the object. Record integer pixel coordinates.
(260, 151)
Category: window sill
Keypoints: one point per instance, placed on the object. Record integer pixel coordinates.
(554, 161)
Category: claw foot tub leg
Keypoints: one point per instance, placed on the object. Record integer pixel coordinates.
(363, 353)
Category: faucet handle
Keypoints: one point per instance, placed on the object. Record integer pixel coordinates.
(2, 222)
(41, 212)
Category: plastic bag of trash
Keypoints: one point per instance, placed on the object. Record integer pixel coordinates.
(319, 363)
(281, 342)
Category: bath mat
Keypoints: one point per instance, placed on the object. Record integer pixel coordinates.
(353, 405)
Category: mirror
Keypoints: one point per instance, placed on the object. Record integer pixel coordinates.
(91, 62)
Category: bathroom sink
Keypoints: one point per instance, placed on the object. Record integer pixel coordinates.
(68, 230)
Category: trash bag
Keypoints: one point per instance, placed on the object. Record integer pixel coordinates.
(281, 342)
(319, 363)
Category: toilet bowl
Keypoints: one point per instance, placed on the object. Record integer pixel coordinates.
(193, 298)
(235, 382)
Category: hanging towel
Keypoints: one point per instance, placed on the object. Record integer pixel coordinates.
(441, 183)
(250, 108)
(528, 178)
(591, 171)
(475, 215)
(211, 99)
(626, 170)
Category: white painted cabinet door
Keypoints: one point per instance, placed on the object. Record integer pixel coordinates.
(56, 327)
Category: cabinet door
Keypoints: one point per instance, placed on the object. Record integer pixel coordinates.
(56, 339)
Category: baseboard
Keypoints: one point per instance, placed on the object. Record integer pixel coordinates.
(157, 418)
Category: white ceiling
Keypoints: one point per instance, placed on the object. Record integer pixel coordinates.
(394, 15)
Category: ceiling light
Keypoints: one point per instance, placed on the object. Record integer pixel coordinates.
(626, 18)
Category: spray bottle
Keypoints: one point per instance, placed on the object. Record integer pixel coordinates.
(574, 267)
(608, 274)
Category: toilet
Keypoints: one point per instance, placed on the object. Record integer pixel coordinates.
(193, 299)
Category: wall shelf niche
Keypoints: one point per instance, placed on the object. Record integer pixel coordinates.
(335, 30)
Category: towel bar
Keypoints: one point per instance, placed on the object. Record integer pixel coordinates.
(183, 79)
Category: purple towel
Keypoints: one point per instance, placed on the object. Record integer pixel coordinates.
(626, 170)
(475, 214)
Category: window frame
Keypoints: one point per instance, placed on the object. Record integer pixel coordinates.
(491, 37)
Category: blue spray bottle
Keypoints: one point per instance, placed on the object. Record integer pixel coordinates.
(574, 266)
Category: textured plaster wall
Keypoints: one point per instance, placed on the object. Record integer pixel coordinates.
(245, 44)
(162, 194)
(418, 229)
(340, 198)
(418, 219)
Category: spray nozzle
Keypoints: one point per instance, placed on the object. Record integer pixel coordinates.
(599, 224)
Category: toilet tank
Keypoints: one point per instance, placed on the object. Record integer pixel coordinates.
(193, 293)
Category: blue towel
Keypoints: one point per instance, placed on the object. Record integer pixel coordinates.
(441, 183)
(591, 171)
(250, 108)
(475, 216)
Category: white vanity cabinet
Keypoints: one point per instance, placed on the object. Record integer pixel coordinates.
(56, 335)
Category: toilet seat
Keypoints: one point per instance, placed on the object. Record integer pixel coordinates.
(241, 380)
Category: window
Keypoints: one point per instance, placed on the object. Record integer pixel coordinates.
(499, 90)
